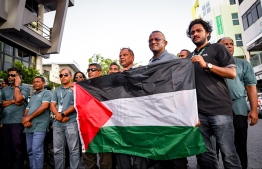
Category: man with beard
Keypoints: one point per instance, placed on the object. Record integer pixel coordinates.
(14, 102)
(244, 84)
(65, 128)
(213, 63)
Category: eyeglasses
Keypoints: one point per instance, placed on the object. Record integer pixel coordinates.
(12, 75)
(61, 75)
(92, 69)
(78, 76)
(156, 39)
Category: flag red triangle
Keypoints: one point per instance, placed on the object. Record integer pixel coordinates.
(92, 114)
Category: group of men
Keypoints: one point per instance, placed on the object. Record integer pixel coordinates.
(223, 112)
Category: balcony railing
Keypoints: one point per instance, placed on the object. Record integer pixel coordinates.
(40, 29)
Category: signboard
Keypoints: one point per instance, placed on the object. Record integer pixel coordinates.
(54, 73)
(220, 30)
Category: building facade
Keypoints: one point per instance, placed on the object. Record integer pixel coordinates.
(23, 35)
(250, 14)
(224, 18)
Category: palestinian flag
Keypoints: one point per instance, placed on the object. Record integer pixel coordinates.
(148, 111)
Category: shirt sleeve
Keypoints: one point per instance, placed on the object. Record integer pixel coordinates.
(25, 91)
(249, 77)
(224, 58)
(47, 96)
(54, 96)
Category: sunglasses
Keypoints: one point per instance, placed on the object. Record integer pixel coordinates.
(156, 39)
(61, 75)
(78, 76)
(12, 75)
(92, 69)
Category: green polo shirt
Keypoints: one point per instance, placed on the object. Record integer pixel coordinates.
(39, 123)
(14, 113)
(65, 97)
(245, 77)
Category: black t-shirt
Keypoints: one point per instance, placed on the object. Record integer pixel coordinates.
(213, 96)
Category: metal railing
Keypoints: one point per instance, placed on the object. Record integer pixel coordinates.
(40, 29)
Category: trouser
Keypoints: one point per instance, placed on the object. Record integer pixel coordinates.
(130, 162)
(69, 133)
(35, 149)
(12, 150)
(90, 160)
(178, 163)
(218, 128)
(241, 126)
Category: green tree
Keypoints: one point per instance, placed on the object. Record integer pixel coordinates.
(104, 62)
(28, 73)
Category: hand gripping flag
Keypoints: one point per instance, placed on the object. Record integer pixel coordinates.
(150, 111)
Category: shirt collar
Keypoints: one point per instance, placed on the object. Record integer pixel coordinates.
(159, 57)
(196, 51)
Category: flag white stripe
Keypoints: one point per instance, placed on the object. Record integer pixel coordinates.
(164, 109)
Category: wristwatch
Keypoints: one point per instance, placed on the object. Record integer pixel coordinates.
(208, 66)
(62, 114)
(17, 87)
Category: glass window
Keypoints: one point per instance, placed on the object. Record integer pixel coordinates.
(8, 62)
(33, 60)
(1, 46)
(238, 38)
(254, 14)
(249, 19)
(8, 49)
(259, 10)
(1, 61)
(235, 19)
(232, 2)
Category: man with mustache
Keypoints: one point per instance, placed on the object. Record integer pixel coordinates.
(213, 63)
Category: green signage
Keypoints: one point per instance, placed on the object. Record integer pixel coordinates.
(219, 25)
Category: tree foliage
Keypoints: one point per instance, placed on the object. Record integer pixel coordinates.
(28, 73)
(104, 62)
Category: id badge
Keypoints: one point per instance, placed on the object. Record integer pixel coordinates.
(60, 108)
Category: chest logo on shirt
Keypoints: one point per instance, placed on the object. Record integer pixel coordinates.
(205, 54)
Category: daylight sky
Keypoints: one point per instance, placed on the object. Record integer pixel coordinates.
(104, 26)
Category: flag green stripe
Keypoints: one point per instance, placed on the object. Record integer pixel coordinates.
(153, 142)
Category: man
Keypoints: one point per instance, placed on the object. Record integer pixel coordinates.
(36, 122)
(14, 102)
(184, 53)
(65, 125)
(245, 82)
(126, 58)
(213, 63)
(5, 83)
(157, 43)
(90, 159)
(113, 68)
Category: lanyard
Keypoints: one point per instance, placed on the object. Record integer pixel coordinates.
(202, 50)
(62, 97)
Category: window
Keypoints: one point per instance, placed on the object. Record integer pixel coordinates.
(232, 2)
(238, 38)
(206, 8)
(235, 19)
(252, 14)
(8, 49)
(259, 9)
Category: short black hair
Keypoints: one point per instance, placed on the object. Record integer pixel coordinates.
(19, 71)
(41, 77)
(130, 50)
(98, 66)
(219, 40)
(188, 52)
(205, 24)
(114, 63)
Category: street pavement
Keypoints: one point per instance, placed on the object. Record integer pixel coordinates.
(254, 149)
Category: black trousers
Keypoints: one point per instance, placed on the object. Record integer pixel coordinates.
(13, 141)
(241, 126)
